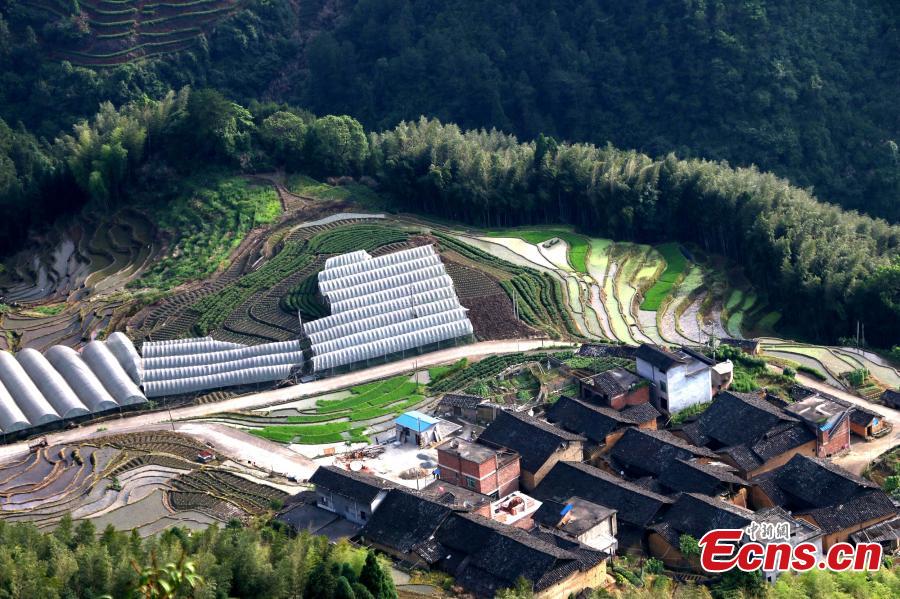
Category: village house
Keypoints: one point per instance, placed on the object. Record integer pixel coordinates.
(679, 379)
(352, 495)
(423, 430)
(829, 420)
(714, 479)
(864, 422)
(891, 398)
(457, 498)
(749, 433)
(694, 515)
(616, 388)
(582, 520)
(636, 506)
(486, 470)
(403, 526)
(539, 445)
(645, 452)
(484, 557)
(835, 500)
(886, 534)
(601, 426)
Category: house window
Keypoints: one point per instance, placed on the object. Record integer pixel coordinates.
(470, 482)
(662, 386)
(362, 515)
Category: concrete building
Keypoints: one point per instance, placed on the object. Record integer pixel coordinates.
(486, 470)
(680, 379)
(584, 521)
(423, 430)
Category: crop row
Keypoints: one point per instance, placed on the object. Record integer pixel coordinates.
(357, 237)
(485, 368)
(214, 309)
(396, 387)
(304, 299)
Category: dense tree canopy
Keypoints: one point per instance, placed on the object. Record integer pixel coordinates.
(74, 562)
(804, 89)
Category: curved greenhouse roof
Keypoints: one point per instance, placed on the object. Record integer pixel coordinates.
(11, 417)
(114, 378)
(80, 378)
(25, 393)
(51, 384)
(124, 351)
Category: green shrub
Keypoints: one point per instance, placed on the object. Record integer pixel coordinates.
(813, 372)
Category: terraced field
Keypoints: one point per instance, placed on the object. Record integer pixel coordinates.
(624, 292)
(120, 31)
(834, 361)
(147, 482)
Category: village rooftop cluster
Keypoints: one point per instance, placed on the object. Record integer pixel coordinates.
(555, 492)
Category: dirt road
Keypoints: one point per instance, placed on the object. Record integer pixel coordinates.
(244, 443)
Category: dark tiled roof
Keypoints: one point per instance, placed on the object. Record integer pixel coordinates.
(690, 476)
(817, 482)
(353, 485)
(891, 397)
(883, 532)
(640, 413)
(780, 439)
(661, 358)
(594, 422)
(614, 381)
(833, 497)
(698, 356)
(453, 400)
(864, 507)
(607, 351)
(404, 520)
(498, 555)
(736, 418)
(533, 439)
(696, 514)
(652, 451)
(634, 504)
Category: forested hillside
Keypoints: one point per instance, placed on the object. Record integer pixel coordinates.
(805, 89)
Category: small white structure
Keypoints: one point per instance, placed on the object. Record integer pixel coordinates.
(680, 379)
(423, 430)
(592, 524)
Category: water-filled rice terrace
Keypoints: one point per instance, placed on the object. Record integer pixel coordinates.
(143, 481)
(599, 289)
(112, 32)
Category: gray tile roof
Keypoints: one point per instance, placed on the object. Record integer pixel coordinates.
(634, 504)
(533, 439)
(595, 422)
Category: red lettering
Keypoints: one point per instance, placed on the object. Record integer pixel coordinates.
(749, 558)
(836, 557)
(804, 557)
(718, 544)
(868, 557)
(778, 556)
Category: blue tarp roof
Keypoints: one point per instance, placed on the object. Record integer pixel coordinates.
(416, 421)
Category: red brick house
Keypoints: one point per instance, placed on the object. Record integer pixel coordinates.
(616, 388)
(486, 470)
(829, 420)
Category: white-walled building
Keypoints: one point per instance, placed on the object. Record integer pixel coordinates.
(679, 379)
